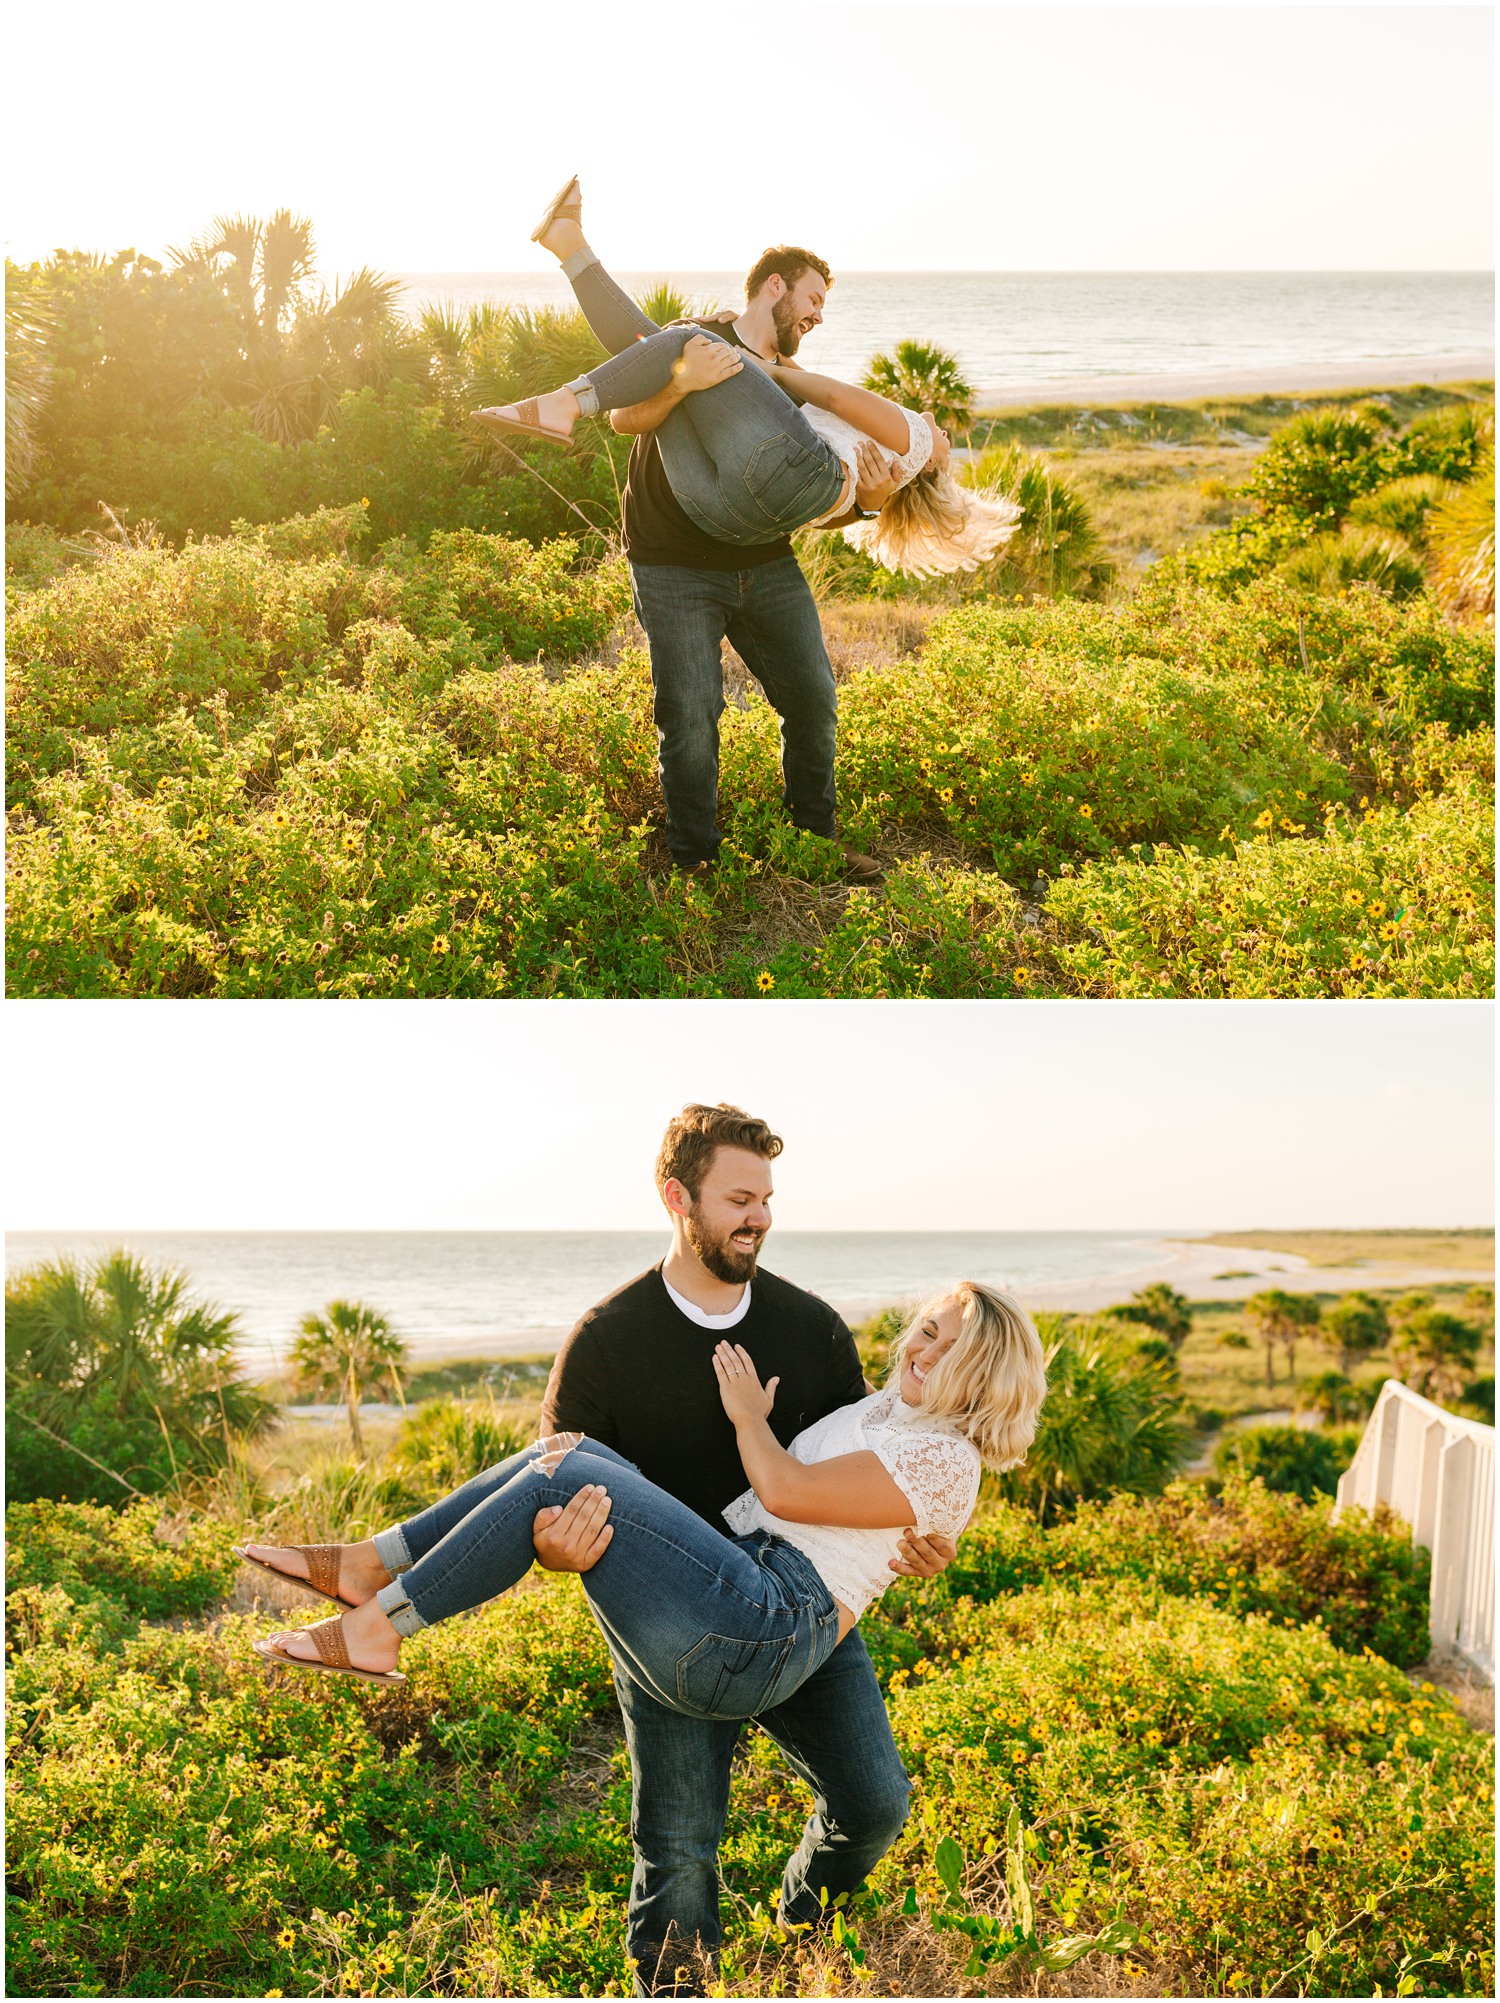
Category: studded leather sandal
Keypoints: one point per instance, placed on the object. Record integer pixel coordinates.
(568, 202)
(333, 1654)
(322, 1569)
(524, 421)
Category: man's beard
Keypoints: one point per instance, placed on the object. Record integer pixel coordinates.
(787, 322)
(725, 1261)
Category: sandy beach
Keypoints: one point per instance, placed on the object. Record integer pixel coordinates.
(1359, 373)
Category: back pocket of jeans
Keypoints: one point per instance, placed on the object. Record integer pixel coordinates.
(725, 1678)
(782, 475)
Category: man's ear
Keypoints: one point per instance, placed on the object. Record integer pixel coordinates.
(675, 1196)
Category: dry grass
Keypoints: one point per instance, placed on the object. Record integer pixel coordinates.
(1147, 501)
(1465, 1686)
(1460, 1251)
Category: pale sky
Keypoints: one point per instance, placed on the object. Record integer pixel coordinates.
(893, 137)
(897, 1116)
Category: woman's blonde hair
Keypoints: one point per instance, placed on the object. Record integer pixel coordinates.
(932, 526)
(991, 1383)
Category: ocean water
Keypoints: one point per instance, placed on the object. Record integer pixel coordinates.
(499, 1289)
(1018, 327)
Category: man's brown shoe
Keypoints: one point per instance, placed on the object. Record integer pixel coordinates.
(861, 868)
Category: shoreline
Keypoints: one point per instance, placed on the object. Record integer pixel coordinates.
(1194, 1266)
(1361, 374)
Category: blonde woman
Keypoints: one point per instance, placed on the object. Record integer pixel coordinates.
(760, 446)
(714, 1625)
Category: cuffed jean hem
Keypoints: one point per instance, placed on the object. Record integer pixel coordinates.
(392, 1550)
(579, 262)
(399, 1610)
(587, 395)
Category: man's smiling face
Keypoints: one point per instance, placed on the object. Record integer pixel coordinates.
(727, 1223)
(797, 310)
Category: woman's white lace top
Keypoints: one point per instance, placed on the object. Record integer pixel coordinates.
(931, 1462)
(846, 441)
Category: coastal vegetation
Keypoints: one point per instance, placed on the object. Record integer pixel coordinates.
(316, 690)
(1153, 1697)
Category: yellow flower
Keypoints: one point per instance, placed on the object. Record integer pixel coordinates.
(1357, 963)
(1226, 834)
(1403, 1851)
(440, 943)
(1377, 909)
(191, 1770)
(765, 981)
(364, 500)
(1300, 794)
(1389, 929)
(320, 1841)
(1287, 827)
(280, 818)
(351, 841)
(946, 794)
(973, 802)
(1087, 811)
(286, 1938)
(1021, 976)
(1354, 897)
(1263, 820)
(275, 1992)
(384, 1965)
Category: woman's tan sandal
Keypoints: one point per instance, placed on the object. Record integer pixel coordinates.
(322, 1569)
(568, 201)
(333, 1654)
(525, 421)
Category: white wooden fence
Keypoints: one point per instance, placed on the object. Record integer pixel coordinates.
(1439, 1473)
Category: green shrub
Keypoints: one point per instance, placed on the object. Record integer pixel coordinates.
(1358, 556)
(263, 766)
(1275, 1813)
(149, 1565)
(1288, 1459)
(446, 1442)
(1392, 903)
(1249, 1550)
(1040, 754)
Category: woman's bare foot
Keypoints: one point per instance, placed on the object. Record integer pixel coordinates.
(369, 1637)
(361, 1574)
(562, 237)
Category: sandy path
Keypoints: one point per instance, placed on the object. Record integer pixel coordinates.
(1367, 372)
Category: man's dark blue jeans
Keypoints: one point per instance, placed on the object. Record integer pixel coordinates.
(834, 1732)
(770, 618)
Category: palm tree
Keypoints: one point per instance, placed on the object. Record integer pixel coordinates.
(349, 1352)
(1111, 1420)
(1461, 545)
(301, 348)
(1479, 1306)
(1055, 548)
(118, 1354)
(1436, 1353)
(1160, 1307)
(28, 379)
(1355, 1326)
(924, 377)
(1278, 1319)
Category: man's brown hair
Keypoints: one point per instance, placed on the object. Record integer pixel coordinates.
(693, 1135)
(788, 262)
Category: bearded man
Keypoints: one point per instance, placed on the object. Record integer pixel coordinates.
(633, 1376)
